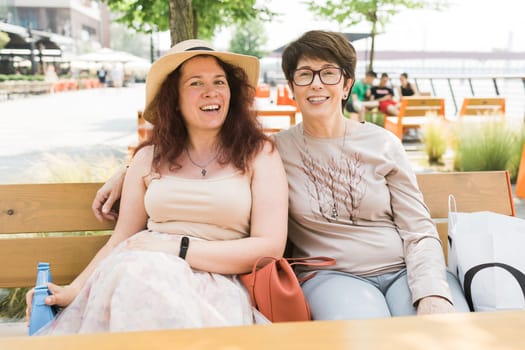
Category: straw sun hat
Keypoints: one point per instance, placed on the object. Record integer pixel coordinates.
(185, 50)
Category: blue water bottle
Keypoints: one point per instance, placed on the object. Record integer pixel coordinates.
(41, 314)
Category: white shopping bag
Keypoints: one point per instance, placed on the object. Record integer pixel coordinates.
(486, 253)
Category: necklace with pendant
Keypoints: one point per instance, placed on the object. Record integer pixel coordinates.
(334, 213)
(202, 167)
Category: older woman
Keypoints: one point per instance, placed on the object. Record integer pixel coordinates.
(354, 197)
(195, 207)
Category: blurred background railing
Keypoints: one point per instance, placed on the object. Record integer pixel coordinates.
(455, 88)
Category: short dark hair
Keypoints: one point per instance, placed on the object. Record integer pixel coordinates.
(371, 73)
(384, 75)
(323, 45)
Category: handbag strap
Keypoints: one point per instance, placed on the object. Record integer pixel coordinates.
(317, 261)
(312, 261)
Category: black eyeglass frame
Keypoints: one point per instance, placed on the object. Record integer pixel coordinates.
(318, 72)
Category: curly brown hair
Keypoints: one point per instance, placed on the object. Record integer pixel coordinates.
(323, 45)
(241, 136)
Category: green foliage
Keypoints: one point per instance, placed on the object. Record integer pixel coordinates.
(435, 139)
(377, 118)
(20, 77)
(209, 15)
(487, 145)
(142, 15)
(13, 303)
(4, 39)
(378, 13)
(516, 150)
(249, 38)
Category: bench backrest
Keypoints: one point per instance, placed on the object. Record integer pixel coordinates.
(419, 106)
(413, 113)
(479, 106)
(31, 208)
(473, 191)
(36, 208)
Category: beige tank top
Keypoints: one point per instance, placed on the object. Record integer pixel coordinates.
(211, 209)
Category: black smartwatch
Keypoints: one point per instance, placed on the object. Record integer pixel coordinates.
(184, 244)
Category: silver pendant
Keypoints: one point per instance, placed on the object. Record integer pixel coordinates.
(203, 172)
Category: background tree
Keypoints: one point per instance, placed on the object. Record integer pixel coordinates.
(249, 38)
(125, 39)
(188, 19)
(377, 12)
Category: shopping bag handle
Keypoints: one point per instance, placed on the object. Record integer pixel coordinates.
(451, 209)
(452, 203)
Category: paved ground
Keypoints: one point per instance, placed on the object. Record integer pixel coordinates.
(86, 124)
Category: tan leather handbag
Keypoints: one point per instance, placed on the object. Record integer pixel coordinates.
(275, 290)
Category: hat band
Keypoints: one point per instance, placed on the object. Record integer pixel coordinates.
(199, 48)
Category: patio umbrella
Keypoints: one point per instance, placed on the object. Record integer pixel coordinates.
(106, 55)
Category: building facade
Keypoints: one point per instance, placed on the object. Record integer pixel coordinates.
(86, 22)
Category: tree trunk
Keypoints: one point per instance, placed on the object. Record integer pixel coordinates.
(372, 49)
(181, 21)
(372, 46)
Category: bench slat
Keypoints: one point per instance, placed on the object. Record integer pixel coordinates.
(49, 208)
(474, 191)
(472, 106)
(68, 256)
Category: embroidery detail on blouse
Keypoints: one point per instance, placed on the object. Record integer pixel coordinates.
(335, 185)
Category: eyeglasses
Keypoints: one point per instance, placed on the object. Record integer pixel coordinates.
(328, 76)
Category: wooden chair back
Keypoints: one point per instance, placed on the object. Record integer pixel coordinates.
(481, 106)
(262, 90)
(473, 191)
(274, 114)
(43, 208)
(414, 112)
(284, 96)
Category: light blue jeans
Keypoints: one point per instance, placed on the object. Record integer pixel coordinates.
(335, 295)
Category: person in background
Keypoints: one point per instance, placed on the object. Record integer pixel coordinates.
(406, 88)
(101, 74)
(384, 95)
(353, 196)
(361, 92)
(196, 207)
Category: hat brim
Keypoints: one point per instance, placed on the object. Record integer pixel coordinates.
(168, 63)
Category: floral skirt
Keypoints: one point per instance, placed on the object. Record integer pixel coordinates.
(144, 290)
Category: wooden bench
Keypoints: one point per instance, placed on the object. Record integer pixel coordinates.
(414, 111)
(483, 106)
(40, 208)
